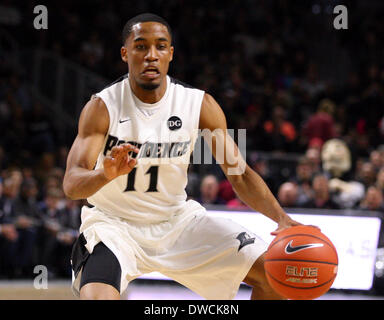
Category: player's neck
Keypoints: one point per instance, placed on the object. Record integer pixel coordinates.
(148, 96)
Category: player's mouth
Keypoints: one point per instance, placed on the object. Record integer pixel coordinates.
(151, 72)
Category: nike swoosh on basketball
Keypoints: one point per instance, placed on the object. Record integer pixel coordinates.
(124, 120)
(289, 249)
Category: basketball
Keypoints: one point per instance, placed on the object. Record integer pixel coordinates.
(301, 263)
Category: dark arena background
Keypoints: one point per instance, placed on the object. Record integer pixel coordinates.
(304, 79)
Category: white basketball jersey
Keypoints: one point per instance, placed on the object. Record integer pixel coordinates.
(155, 189)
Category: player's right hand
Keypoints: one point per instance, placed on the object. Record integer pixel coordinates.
(119, 162)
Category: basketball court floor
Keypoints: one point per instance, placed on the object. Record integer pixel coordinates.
(140, 290)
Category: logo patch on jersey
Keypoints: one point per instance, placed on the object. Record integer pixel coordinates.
(244, 239)
(124, 120)
(174, 123)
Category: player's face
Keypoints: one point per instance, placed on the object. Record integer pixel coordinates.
(148, 52)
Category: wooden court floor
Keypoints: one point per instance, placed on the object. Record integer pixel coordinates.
(144, 290)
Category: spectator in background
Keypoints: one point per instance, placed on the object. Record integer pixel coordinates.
(44, 166)
(53, 180)
(40, 131)
(11, 188)
(380, 149)
(313, 155)
(226, 192)
(2, 155)
(303, 180)
(8, 237)
(10, 191)
(311, 83)
(380, 180)
(321, 198)
(253, 123)
(209, 191)
(361, 144)
(320, 125)
(280, 133)
(337, 162)
(288, 195)
(69, 219)
(373, 200)
(376, 160)
(50, 208)
(62, 155)
(27, 218)
(92, 52)
(366, 174)
(260, 165)
(25, 208)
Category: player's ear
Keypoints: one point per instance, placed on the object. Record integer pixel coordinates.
(123, 52)
(171, 55)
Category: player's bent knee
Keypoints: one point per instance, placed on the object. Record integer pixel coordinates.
(257, 279)
(256, 275)
(99, 291)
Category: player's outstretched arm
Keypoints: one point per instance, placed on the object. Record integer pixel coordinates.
(80, 180)
(247, 184)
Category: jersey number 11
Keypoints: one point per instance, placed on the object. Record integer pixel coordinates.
(153, 171)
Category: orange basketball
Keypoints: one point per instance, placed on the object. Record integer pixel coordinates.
(301, 263)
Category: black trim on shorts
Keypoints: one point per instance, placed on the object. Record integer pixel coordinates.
(79, 254)
(101, 266)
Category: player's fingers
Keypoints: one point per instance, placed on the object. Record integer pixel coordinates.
(279, 229)
(276, 232)
(132, 163)
(121, 151)
(311, 225)
(129, 147)
(115, 151)
(121, 154)
(109, 161)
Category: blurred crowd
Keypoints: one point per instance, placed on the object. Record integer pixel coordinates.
(38, 225)
(255, 58)
(323, 178)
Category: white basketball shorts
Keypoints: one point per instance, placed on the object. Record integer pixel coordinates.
(209, 255)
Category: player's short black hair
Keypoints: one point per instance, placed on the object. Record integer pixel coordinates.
(144, 17)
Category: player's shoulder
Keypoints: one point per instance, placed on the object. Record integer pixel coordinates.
(94, 117)
(95, 108)
(211, 114)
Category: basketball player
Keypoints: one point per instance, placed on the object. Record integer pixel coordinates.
(140, 220)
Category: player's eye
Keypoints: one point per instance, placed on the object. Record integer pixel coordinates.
(161, 46)
(140, 46)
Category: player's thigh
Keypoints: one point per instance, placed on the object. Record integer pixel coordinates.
(99, 291)
(101, 275)
(213, 255)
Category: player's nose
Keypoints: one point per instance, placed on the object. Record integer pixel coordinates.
(152, 54)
